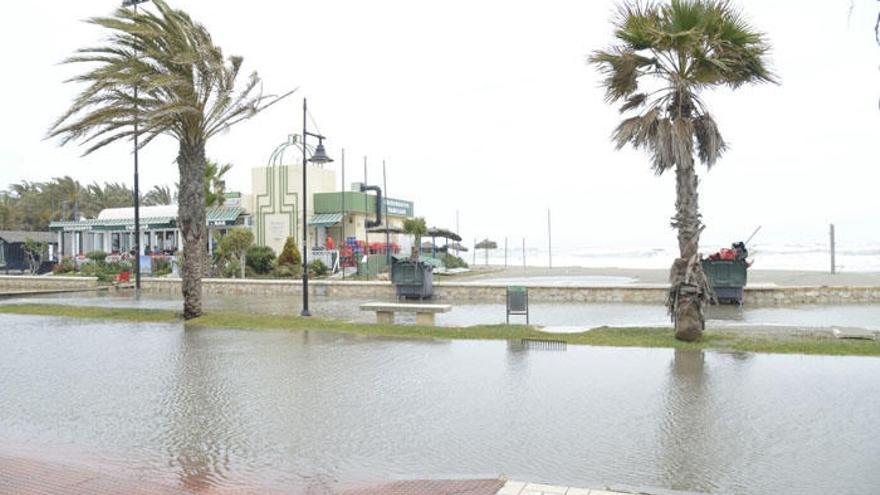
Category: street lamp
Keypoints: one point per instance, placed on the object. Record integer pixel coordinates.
(137, 193)
(319, 157)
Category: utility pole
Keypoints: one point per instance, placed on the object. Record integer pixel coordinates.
(505, 252)
(342, 242)
(524, 253)
(385, 217)
(833, 263)
(549, 242)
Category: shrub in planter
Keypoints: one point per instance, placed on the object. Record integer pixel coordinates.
(318, 268)
(290, 254)
(288, 271)
(161, 266)
(66, 265)
(260, 259)
(99, 257)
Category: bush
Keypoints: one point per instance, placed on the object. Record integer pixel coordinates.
(161, 266)
(66, 265)
(98, 257)
(453, 261)
(105, 272)
(318, 268)
(288, 271)
(290, 254)
(231, 268)
(260, 259)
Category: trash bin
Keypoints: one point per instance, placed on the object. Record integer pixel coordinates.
(412, 279)
(727, 278)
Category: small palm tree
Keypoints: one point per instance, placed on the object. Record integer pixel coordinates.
(416, 227)
(665, 55)
(187, 90)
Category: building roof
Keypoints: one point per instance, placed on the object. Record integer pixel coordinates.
(14, 236)
(325, 219)
(152, 217)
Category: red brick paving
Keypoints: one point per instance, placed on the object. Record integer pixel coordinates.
(25, 476)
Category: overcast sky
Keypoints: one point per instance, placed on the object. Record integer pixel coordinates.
(489, 108)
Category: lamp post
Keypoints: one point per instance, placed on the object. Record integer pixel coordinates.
(137, 194)
(319, 156)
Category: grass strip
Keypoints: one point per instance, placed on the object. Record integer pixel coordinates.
(604, 336)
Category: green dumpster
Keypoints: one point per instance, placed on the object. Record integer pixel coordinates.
(727, 278)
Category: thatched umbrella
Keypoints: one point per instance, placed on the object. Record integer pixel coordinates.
(487, 245)
(447, 234)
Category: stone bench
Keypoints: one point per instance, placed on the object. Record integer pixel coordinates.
(424, 312)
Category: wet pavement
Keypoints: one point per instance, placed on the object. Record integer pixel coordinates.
(216, 411)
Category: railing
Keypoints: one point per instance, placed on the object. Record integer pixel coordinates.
(330, 258)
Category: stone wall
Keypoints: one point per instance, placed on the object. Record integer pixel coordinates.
(458, 292)
(25, 282)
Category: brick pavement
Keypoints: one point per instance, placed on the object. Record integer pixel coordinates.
(26, 476)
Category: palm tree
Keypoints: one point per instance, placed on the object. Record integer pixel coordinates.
(665, 55)
(215, 185)
(159, 195)
(416, 227)
(186, 91)
(110, 195)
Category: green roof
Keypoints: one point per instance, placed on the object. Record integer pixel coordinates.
(218, 215)
(325, 219)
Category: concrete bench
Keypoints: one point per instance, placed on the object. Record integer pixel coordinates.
(424, 312)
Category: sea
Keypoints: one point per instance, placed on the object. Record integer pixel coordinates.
(853, 257)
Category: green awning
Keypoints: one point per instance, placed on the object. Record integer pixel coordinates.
(325, 219)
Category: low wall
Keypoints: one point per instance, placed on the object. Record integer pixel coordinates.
(27, 282)
(459, 292)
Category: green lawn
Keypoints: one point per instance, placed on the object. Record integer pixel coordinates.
(618, 337)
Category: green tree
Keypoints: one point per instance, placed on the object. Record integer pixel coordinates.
(664, 56)
(234, 246)
(34, 251)
(187, 90)
(416, 227)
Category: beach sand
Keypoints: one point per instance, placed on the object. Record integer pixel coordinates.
(567, 275)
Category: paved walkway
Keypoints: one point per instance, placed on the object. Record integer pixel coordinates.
(25, 476)
(524, 488)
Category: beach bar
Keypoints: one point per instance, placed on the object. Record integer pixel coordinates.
(113, 230)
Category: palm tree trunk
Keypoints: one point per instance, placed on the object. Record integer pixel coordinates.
(191, 163)
(689, 286)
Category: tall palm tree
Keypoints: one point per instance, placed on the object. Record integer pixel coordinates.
(215, 185)
(187, 90)
(159, 195)
(664, 56)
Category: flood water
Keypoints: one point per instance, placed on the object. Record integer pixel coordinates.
(222, 408)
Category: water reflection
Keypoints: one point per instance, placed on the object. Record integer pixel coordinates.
(687, 427)
(203, 423)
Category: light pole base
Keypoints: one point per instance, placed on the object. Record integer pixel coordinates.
(305, 312)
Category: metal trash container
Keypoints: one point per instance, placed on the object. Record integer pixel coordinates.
(517, 302)
(413, 279)
(727, 278)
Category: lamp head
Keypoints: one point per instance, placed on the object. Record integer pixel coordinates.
(320, 154)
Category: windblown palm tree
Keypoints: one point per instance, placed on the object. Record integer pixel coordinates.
(159, 195)
(186, 91)
(215, 185)
(665, 55)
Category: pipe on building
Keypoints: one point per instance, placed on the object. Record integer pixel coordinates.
(378, 221)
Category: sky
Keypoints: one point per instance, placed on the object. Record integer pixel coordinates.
(489, 110)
